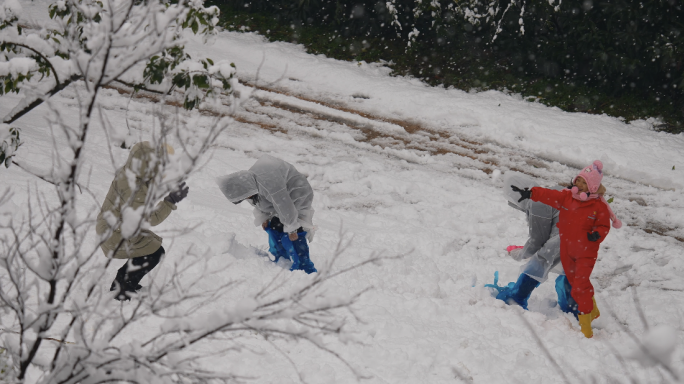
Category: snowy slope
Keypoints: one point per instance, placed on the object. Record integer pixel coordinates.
(570, 138)
(428, 314)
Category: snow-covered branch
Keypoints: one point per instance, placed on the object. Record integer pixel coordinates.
(104, 41)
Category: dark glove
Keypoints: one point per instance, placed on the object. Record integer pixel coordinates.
(593, 236)
(524, 193)
(177, 196)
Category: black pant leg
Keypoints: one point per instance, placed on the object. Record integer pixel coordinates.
(275, 224)
(143, 265)
(120, 278)
(278, 226)
(140, 266)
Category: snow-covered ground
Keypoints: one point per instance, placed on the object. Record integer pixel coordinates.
(428, 318)
(570, 138)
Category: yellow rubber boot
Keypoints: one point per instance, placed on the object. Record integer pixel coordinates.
(595, 314)
(585, 324)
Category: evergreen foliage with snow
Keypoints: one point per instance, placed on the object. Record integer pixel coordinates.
(617, 46)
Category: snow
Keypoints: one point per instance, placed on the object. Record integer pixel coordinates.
(131, 219)
(245, 307)
(4, 132)
(574, 139)
(17, 66)
(34, 41)
(427, 315)
(658, 345)
(9, 9)
(224, 68)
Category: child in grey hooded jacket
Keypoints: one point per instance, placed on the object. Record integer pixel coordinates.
(542, 249)
(543, 245)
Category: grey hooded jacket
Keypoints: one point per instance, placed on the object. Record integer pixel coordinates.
(282, 191)
(543, 246)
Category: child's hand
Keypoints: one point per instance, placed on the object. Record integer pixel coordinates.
(524, 193)
(593, 236)
(514, 251)
(293, 236)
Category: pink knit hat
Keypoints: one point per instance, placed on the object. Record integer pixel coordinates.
(593, 175)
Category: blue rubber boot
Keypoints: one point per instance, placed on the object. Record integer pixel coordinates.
(291, 251)
(519, 292)
(299, 253)
(275, 244)
(565, 300)
(302, 248)
(280, 245)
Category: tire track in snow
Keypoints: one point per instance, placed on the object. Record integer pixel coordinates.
(634, 210)
(488, 155)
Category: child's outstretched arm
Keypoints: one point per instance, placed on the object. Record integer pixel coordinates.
(550, 197)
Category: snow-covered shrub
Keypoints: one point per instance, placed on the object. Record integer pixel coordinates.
(6, 370)
(141, 42)
(9, 143)
(619, 47)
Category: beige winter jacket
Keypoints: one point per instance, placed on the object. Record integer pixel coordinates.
(140, 174)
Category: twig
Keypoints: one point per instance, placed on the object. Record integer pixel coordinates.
(44, 338)
(642, 347)
(640, 311)
(43, 177)
(138, 87)
(9, 119)
(544, 349)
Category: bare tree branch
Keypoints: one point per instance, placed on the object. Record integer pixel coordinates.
(12, 117)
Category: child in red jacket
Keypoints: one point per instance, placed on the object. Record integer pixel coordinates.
(583, 223)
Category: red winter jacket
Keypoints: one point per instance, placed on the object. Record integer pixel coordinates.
(575, 220)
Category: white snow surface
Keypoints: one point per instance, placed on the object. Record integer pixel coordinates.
(631, 151)
(658, 345)
(428, 318)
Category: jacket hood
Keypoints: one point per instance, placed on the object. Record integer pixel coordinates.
(521, 181)
(238, 186)
(142, 161)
